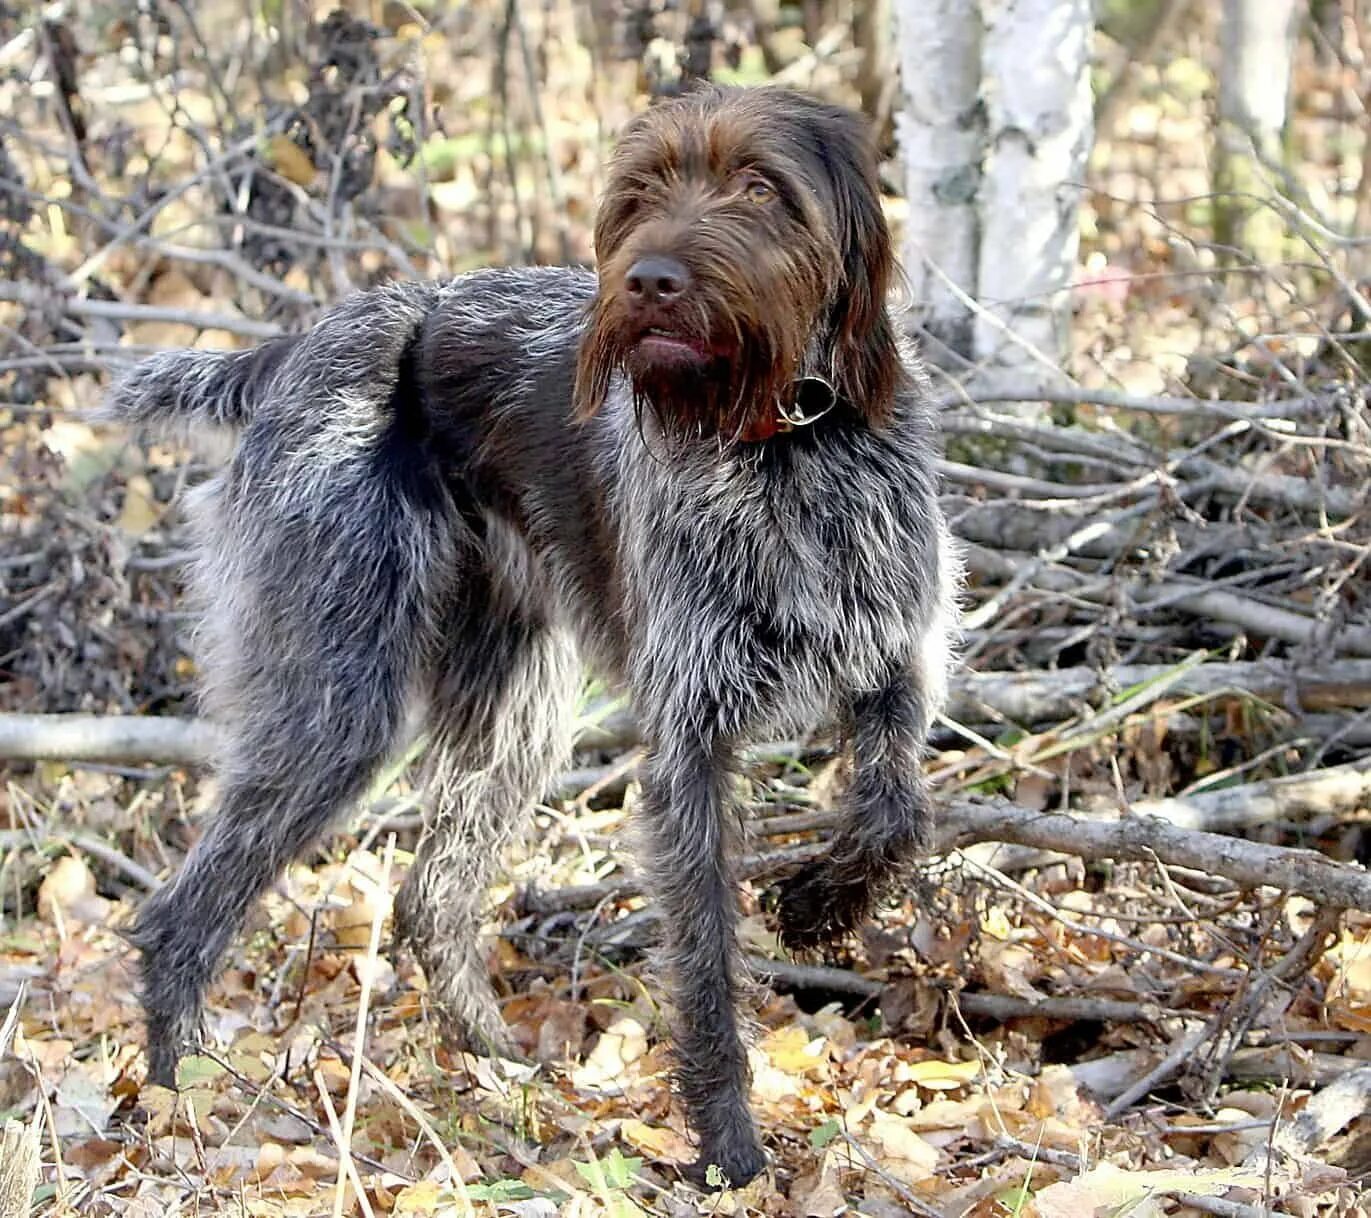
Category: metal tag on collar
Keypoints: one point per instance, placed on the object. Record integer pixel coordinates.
(795, 417)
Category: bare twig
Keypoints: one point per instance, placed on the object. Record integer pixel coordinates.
(1251, 864)
(1162, 1072)
(360, 1037)
(1023, 698)
(1003, 1007)
(1287, 408)
(113, 310)
(109, 738)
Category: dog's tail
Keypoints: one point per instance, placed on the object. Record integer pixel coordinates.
(206, 388)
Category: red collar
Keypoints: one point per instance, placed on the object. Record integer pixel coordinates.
(765, 427)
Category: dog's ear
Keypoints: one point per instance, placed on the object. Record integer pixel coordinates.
(595, 361)
(866, 358)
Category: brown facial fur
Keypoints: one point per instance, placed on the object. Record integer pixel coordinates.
(769, 199)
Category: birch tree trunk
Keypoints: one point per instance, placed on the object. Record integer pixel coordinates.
(941, 141)
(1258, 45)
(1036, 67)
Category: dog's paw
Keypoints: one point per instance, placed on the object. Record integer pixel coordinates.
(170, 1036)
(486, 1038)
(162, 1061)
(730, 1166)
(814, 912)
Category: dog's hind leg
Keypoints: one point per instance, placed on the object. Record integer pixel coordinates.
(317, 626)
(501, 718)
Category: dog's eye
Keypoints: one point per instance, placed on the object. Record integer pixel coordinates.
(756, 190)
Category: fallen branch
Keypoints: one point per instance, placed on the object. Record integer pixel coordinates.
(1244, 1011)
(109, 739)
(1162, 1072)
(1136, 838)
(1327, 792)
(1029, 698)
(1250, 864)
(1299, 493)
(89, 844)
(1266, 621)
(1165, 829)
(113, 310)
(1103, 539)
(1299, 1068)
(1023, 698)
(1050, 697)
(991, 1006)
(1288, 408)
(1220, 1207)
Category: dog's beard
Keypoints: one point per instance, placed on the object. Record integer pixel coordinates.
(688, 400)
(707, 390)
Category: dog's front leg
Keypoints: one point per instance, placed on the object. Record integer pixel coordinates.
(687, 860)
(886, 819)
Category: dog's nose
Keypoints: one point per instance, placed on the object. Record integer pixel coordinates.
(656, 279)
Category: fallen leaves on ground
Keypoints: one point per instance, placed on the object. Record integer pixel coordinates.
(856, 1119)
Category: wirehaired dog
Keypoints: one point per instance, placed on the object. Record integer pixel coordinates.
(709, 472)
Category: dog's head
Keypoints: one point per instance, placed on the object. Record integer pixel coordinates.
(741, 247)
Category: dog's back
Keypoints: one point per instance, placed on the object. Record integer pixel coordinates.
(363, 337)
(482, 320)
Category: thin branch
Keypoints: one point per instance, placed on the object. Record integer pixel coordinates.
(113, 310)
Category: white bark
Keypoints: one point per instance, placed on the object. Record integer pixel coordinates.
(1036, 67)
(1023, 697)
(941, 139)
(1258, 48)
(1258, 43)
(106, 739)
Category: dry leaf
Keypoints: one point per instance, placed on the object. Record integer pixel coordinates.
(20, 1165)
(790, 1049)
(908, 1155)
(663, 1144)
(561, 1031)
(68, 892)
(820, 1196)
(290, 160)
(1105, 1189)
(141, 510)
(936, 1075)
(624, 1042)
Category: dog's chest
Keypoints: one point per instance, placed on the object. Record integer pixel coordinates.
(769, 590)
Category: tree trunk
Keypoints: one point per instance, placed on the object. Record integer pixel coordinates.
(873, 28)
(1360, 261)
(1258, 45)
(941, 139)
(1036, 65)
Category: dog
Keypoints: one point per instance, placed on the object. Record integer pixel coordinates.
(707, 471)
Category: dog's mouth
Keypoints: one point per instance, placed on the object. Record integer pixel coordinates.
(660, 344)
